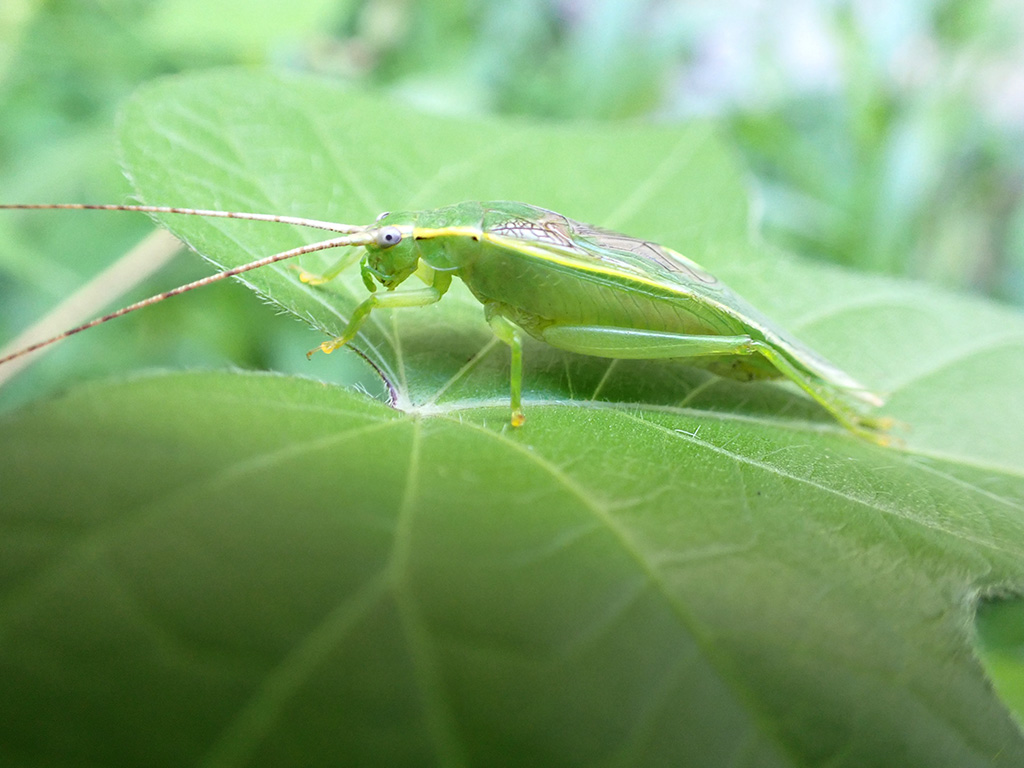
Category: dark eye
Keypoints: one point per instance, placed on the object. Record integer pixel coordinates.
(388, 236)
(383, 215)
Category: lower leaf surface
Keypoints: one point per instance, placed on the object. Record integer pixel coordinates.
(236, 569)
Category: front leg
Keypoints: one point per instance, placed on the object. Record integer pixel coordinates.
(340, 266)
(419, 297)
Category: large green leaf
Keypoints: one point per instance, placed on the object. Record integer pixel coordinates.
(660, 568)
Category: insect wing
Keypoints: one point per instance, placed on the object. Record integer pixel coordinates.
(590, 247)
(653, 264)
(642, 256)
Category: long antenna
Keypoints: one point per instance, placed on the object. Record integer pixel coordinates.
(357, 237)
(296, 220)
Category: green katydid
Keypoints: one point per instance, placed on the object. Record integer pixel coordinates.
(571, 285)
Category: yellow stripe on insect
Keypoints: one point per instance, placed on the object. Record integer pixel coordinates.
(546, 254)
(428, 233)
(539, 251)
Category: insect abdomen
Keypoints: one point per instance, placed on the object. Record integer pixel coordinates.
(549, 292)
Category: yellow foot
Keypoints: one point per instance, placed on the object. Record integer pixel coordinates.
(880, 423)
(876, 429)
(327, 347)
(309, 279)
(518, 419)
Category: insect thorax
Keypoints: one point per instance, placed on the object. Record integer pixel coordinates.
(449, 253)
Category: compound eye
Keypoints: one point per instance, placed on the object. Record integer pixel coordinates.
(382, 216)
(388, 236)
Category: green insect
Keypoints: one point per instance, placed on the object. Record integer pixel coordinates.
(571, 285)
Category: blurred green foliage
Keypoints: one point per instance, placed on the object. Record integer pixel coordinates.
(65, 66)
(884, 137)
